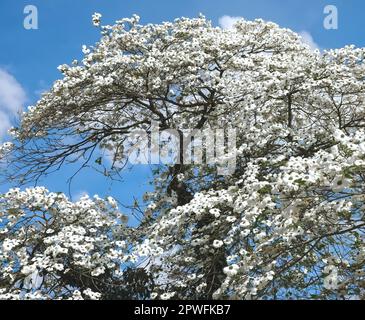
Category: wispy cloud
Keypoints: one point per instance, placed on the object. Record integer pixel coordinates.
(43, 87)
(79, 195)
(12, 99)
(4, 124)
(227, 22)
(308, 39)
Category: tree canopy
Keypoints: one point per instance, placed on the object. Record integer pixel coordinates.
(287, 223)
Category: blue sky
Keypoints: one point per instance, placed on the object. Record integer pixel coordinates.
(29, 58)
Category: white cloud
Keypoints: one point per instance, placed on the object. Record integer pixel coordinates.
(308, 39)
(80, 194)
(43, 87)
(227, 22)
(4, 124)
(12, 99)
(12, 95)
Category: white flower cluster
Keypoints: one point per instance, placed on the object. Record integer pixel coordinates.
(5, 148)
(96, 18)
(47, 242)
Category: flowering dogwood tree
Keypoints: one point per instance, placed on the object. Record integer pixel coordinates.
(287, 223)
